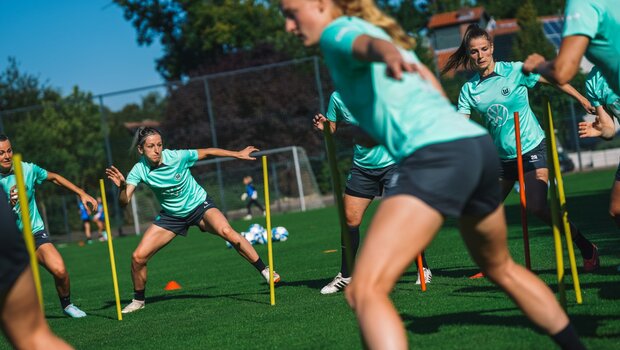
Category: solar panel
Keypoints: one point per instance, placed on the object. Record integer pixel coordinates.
(553, 31)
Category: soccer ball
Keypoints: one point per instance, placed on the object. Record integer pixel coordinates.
(261, 237)
(244, 196)
(279, 233)
(249, 236)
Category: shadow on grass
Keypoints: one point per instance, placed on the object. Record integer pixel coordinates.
(311, 284)
(586, 325)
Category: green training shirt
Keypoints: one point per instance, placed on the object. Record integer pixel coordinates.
(599, 93)
(172, 182)
(401, 115)
(496, 97)
(365, 157)
(33, 175)
(599, 20)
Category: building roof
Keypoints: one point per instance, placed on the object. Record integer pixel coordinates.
(464, 15)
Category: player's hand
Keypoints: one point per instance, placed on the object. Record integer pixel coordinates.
(396, 65)
(318, 121)
(115, 176)
(532, 62)
(590, 129)
(13, 197)
(245, 153)
(587, 106)
(86, 199)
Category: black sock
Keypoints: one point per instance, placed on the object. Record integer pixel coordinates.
(568, 339)
(138, 294)
(354, 237)
(585, 246)
(424, 264)
(65, 301)
(259, 265)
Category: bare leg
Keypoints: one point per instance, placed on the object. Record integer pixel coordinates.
(51, 260)
(87, 229)
(354, 209)
(486, 241)
(22, 320)
(152, 241)
(401, 228)
(216, 223)
(614, 203)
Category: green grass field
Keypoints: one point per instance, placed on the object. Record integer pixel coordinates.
(224, 303)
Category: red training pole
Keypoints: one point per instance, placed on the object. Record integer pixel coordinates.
(526, 240)
(421, 272)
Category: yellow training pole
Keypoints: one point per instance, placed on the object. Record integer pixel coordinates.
(563, 209)
(272, 292)
(27, 229)
(111, 250)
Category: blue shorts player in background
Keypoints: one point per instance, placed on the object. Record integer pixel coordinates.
(372, 173)
(251, 197)
(497, 91)
(447, 166)
(99, 219)
(47, 254)
(22, 320)
(85, 217)
(184, 204)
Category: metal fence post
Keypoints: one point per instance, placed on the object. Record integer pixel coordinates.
(319, 85)
(575, 135)
(302, 199)
(108, 150)
(218, 166)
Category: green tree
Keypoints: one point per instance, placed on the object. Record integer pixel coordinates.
(508, 8)
(197, 33)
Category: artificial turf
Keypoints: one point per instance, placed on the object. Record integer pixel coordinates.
(224, 303)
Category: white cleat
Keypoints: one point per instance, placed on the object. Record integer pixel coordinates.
(74, 311)
(428, 276)
(336, 285)
(135, 305)
(265, 273)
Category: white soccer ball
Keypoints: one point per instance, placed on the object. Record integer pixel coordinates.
(279, 233)
(244, 196)
(261, 237)
(249, 236)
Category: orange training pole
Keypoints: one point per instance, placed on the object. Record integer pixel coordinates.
(421, 272)
(526, 240)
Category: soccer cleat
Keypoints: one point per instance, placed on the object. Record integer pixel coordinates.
(73, 311)
(593, 263)
(247, 217)
(336, 285)
(265, 273)
(135, 305)
(428, 276)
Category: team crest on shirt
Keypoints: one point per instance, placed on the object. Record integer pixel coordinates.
(177, 177)
(497, 115)
(505, 91)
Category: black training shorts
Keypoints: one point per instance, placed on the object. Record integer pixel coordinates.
(179, 225)
(369, 183)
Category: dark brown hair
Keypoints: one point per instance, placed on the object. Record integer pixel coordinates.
(461, 57)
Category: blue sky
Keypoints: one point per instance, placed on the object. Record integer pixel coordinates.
(77, 42)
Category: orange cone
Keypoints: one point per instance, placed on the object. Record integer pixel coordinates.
(478, 275)
(172, 285)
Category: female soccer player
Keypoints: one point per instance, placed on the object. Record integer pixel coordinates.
(591, 27)
(447, 167)
(99, 219)
(184, 203)
(47, 254)
(372, 172)
(496, 92)
(85, 217)
(251, 196)
(606, 103)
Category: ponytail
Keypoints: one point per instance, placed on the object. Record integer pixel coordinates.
(461, 57)
(368, 11)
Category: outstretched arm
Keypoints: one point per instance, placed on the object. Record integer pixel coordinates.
(126, 190)
(572, 92)
(602, 127)
(564, 67)
(84, 197)
(218, 152)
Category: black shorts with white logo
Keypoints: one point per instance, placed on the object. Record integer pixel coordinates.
(13, 254)
(40, 238)
(369, 183)
(532, 160)
(455, 178)
(179, 226)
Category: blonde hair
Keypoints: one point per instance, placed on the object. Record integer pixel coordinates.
(368, 11)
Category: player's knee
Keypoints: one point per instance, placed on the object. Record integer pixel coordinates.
(138, 259)
(362, 293)
(228, 233)
(353, 220)
(59, 272)
(498, 273)
(614, 211)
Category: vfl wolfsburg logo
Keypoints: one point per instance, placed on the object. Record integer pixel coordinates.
(177, 177)
(497, 115)
(505, 91)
